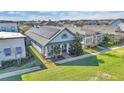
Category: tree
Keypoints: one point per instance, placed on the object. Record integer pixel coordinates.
(56, 50)
(76, 45)
(107, 38)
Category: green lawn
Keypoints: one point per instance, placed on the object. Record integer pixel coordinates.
(92, 50)
(14, 68)
(109, 45)
(13, 78)
(107, 66)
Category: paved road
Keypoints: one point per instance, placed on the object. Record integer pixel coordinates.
(18, 72)
(85, 56)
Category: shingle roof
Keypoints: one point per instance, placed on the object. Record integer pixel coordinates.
(41, 40)
(45, 31)
(43, 34)
(81, 31)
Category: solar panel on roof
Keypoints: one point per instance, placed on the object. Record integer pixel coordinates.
(45, 31)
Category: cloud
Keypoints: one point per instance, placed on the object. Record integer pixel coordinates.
(35, 17)
(92, 15)
(59, 15)
(11, 18)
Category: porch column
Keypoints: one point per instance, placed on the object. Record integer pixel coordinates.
(96, 40)
(67, 50)
(92, 38)
(60, 49)
(46, 52)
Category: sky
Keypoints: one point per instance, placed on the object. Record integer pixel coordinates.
(59, 15)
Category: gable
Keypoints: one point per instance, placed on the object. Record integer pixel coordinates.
(65, 35)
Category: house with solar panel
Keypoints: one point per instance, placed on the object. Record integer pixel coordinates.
(12, 43)
(44, 38)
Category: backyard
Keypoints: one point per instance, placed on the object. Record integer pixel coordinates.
(106, 66)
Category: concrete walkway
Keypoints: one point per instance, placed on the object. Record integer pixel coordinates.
(86, 56)
(66, 56)
(18, 72)
(101, 47)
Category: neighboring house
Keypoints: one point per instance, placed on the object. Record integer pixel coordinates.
(119, 29)
(89, 38)
(8, 26)
(44, 39)
(115, 22)
(12, 46)
(104, 29)
(93, 39)
(118, 24)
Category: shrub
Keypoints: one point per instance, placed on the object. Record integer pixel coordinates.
(14, 62)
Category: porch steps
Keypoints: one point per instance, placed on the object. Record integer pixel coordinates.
(65, 55)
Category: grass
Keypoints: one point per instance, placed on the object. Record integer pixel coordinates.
(106, 66)
(14, 68)
(91, 50)
(47, 64)
(109, 45)
(13, 78)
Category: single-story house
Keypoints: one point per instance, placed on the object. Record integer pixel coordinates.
(12, 46)
(44, 38)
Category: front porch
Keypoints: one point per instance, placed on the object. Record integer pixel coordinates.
(57, 49)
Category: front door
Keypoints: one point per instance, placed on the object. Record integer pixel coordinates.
(64, 47)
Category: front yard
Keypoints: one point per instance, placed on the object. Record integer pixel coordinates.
(108, 45)
(13, 78)
(15, 68)
(91, 50)
(106, 66)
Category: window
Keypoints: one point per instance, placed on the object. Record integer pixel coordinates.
(7, 51)
(3, 28)
(12, 28)
(18, 50)
(64, 36)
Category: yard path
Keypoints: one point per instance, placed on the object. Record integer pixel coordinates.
(66, 56)
(101, 47)
(18, 72)
(87, 55)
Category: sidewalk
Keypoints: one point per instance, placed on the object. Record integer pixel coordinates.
(86, 55)
(18, 72)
